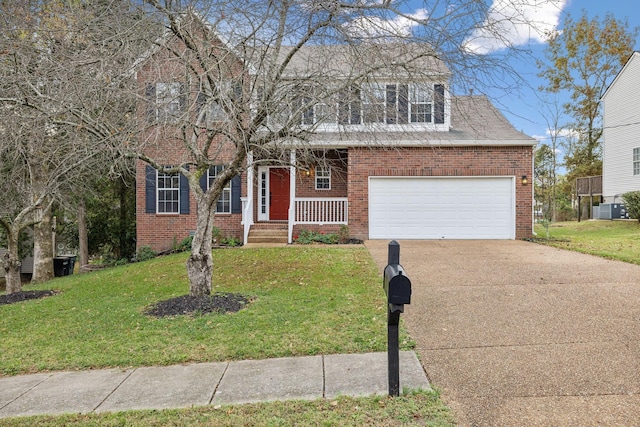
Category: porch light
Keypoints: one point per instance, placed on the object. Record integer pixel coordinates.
(524, 180)
(309, 171)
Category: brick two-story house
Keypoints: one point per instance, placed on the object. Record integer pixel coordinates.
(395, 158)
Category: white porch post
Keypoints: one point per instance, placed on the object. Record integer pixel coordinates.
(292, 195)
(247, 207)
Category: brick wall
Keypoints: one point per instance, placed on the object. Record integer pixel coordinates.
(160, 231)
(167, 145)
(438, 161)
(306, 185)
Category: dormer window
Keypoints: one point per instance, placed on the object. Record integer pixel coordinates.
(349, 107)
(374, 102)
(394, 103)
(369, 103)
(420, 104)
(385, 103)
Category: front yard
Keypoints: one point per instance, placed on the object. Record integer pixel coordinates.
(304, 301)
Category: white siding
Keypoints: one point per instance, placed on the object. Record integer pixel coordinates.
(621, 104)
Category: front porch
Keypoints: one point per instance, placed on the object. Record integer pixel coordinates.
(281, 200)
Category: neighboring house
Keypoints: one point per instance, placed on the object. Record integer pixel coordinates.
(436, 167)
(621, 133)
(26, 265)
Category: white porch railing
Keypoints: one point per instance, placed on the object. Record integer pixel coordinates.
(330, 210)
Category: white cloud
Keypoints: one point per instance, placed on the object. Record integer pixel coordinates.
(515, 23)
(374, 27)
(565, 133)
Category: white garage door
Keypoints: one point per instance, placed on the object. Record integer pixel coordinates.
(441, 208)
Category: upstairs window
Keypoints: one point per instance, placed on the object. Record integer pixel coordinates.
(636, 161)
(209, 108)
(420, 103)
(209, 111)
(166, 101)
(374, 102)
(395, 103)
(325, 111)
(224, 202)
(382, 103)
(385, 103)
(302, 108)
(349, 107)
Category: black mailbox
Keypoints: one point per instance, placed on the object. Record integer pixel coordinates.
(397, 285)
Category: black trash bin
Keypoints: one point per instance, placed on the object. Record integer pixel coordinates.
(60, 266)
(71, 264)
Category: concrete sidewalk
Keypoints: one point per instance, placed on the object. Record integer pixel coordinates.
(182, 386)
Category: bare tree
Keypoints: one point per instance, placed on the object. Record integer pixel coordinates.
(64, 68)
(233, 83)
(550, 160)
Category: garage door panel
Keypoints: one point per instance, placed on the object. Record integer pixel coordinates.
(437, 208)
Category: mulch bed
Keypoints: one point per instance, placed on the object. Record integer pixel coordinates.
(186, 304)
(24, 296)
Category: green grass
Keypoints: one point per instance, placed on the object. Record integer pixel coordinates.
(307, 300)
(417, 408)
(609, 239)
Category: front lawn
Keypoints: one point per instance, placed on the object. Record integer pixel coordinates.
(305, 301)
(610, 239)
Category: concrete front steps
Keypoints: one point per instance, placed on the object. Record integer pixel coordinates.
(268, 233)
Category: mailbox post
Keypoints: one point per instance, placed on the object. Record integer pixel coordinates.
(397, 287)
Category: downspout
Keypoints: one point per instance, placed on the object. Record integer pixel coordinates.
(533, 193)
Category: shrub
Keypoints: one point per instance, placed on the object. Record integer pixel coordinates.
(216, 235)
(230, 241)
(145, 253)
(343, 234)
(306, 237)
(632, 203)
(185, 245)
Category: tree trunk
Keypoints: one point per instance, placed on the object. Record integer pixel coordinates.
(122, 225)
(200, 263)
(43, 249)
(83, 239)
(11, 264)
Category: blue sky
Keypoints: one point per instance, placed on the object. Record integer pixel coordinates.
(523, 109)
(523, 106)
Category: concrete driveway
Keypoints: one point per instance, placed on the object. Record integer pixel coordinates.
(520, 334)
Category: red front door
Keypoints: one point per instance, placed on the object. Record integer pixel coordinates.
(278, 194)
